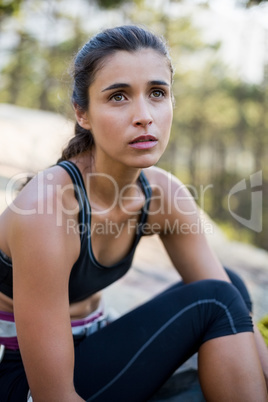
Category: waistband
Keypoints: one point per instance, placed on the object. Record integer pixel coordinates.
(85, 326)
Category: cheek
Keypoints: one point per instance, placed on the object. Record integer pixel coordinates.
(112, 126)
(108, 120)
(167, 118)
(100, 124)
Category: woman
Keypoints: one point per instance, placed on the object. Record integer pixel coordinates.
(73, 230)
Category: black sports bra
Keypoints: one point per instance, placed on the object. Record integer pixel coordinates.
(87, 275)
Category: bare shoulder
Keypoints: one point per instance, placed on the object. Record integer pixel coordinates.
(42, 211)
(156, 175)
(44, 194)
(169, 194)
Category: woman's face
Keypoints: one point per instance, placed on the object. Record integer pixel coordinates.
(130, 108)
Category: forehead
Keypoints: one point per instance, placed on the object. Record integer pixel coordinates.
(125, 66)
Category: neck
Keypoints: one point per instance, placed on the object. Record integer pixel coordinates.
(111, 184)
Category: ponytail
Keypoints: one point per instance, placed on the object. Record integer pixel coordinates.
(82, 141)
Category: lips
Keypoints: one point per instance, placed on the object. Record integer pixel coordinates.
(143, 142)
(143, 138)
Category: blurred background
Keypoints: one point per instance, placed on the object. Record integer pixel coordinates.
(219, 135)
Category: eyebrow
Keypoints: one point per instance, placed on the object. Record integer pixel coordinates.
(124, 85)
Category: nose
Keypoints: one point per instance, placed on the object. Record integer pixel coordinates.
(143, 123)
(142, 116)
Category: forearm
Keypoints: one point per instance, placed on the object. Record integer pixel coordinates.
(263, 353)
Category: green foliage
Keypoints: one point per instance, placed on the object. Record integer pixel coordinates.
(9, 7)
(250, 3)
(110, 3)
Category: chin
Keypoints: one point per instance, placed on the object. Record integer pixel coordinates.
(146, 161)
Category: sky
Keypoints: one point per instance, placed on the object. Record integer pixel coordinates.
(244, 36)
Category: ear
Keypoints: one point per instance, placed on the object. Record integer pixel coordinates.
(82, 117)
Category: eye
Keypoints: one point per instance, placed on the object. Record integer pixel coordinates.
(118, 97)
(158, 93)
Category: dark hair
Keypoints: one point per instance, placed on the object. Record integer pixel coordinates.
(89, 60)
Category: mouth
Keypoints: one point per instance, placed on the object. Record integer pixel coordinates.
(143, 138)
(143, 142)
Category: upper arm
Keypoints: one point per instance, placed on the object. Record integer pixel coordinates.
(183, 232)
(42, 258)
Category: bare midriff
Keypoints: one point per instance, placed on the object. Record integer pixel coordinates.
(78, 310)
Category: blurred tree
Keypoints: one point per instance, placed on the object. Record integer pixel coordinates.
(110, 3)
(9, 7)
(36, 75)
(250, 3)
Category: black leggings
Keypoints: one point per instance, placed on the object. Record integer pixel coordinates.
(132, 357)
